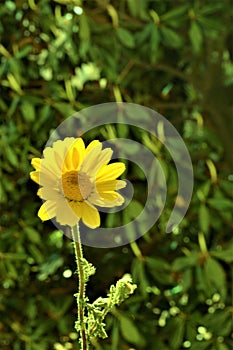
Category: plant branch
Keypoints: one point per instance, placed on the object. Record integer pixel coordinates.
(81, 290)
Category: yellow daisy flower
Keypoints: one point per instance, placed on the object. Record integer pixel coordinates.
(75, 178)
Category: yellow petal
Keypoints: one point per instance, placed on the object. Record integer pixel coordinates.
(36, 163)
(111, 199)
(68, 163)
(47, 210)
(92, 145)
(102, 159)
(54, 156)
(74, 156)
(42, 179)
(91, 159)
(48, 193)
(111, 185)
(50, 169)
(90, 215)
(62, 146)
(101, 202)
(110, 171)
(34, 175)
(78, 153)
(77, 208)
(109, 196)
(65, 215)
(79, 144)
(95, 160)
(106, 186)
(119, 200)
(51, 161)
(63, 156)
(120, 184)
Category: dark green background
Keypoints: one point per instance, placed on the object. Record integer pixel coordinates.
(174, 57)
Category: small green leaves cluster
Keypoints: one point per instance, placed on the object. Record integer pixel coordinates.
(88, 269)
(97, 311)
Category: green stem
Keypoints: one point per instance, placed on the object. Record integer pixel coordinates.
(81, 289)
(136, 250)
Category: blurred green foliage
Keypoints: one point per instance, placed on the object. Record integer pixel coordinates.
(175, 57)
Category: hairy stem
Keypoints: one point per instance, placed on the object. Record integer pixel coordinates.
(81, 289)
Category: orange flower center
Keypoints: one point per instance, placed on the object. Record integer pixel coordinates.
(76, 186)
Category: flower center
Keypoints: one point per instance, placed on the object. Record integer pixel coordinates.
(76, 186)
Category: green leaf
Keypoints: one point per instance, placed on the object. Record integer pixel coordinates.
(142, 36)
(3, 197)
(185, 261)
(203, 345)
(11, 156)
(84, 29)
(46, 73)
(159, 269)
(84, 35)
(139, 10)
(50, 266)
(28, 111)
(201, 284)
(205, 188)
(126, 38)
(24, 52)
(158, 264)
(220, 203)
(115, 336)
(123, 130)
(132, 8)
(196, 37)
(133, 209)
(191, 331)
(186, 279)
(154, 43)
(11, 270)
(210, 25)
(16, 67)
(222, 346)
(215, 277)
(225, 255)
(130, 332)
(14, 103)
(36, 253)
(204, 218)
(64, 108)
(176, 337)
(174, 13)
(15, 256)
(139, 276)
(43, 116)
(32, 234)
(211, 8)
(220, 317)
(170, 38)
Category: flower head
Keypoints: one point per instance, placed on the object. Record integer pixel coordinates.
(74, 179)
